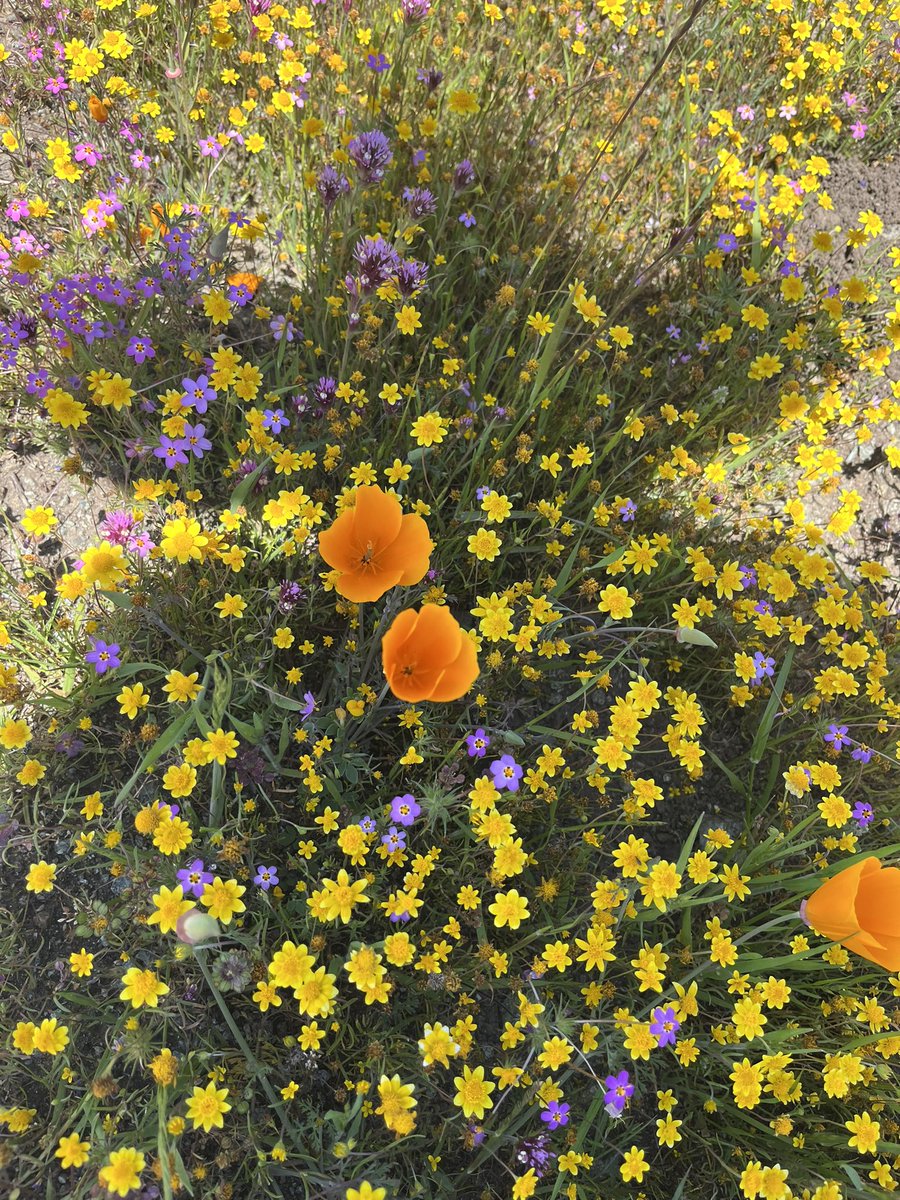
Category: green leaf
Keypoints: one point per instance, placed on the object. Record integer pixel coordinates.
(734, 780)
(117, 598)
(758, 749)
(242, 491)
(545, 362)
(161, 746)
(689, 844)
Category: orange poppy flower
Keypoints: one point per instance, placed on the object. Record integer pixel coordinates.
(860, 908)
(250, 281)
(99, 109)
(427, 655)
(375, 545)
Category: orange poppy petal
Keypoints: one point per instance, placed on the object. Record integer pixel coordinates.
(831, 909)
(363, 586)
(878, 903)
(883, 951)
(376, 517)
(401, 627)
(410, 550)
(459, 675)
(335, 543)
(417, 686)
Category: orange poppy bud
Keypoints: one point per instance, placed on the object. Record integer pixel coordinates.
(375, 546)
(860, 908)
(427, 655)
(98, 109)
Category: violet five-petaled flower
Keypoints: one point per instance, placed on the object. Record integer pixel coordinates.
(506, 773)
(266, 877)
(664, 1024)
(477, 743)
(555, 1114)
(619, 1090)
(404, 809)
(194, 878)
(103, 656)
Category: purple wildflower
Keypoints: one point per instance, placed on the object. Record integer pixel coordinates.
(404, 809)
(172, 451)
(371, 154)
(330, 185)
(394, 840)
(266, 877)
(664, 1024)
(194, 878)
(863, 814)
(103, 656)
(862, 754)
(477, 743)
(414, 11)
(619, 1090)
(555, 1114)
(463, 175)
(197, 393)
(507, 773)
(289, 596)
(419, 202)
(274, 420)
(765, 667)
(140, 349)
(377, 261)
(837, 736)
(535, 1154)
(195, 440)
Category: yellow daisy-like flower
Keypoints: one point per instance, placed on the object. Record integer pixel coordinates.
(72, 1151)
(41, 877)
(122, 1172)
(429, 430)
(169, 904)
(473, 1093)
(142, 988)
(484, 544)
(207, 1106)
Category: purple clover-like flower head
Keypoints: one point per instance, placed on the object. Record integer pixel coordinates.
(463, 175)
(371, 154)
(414, 11)
(419, 202)
(377, 261)
(330, 185)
